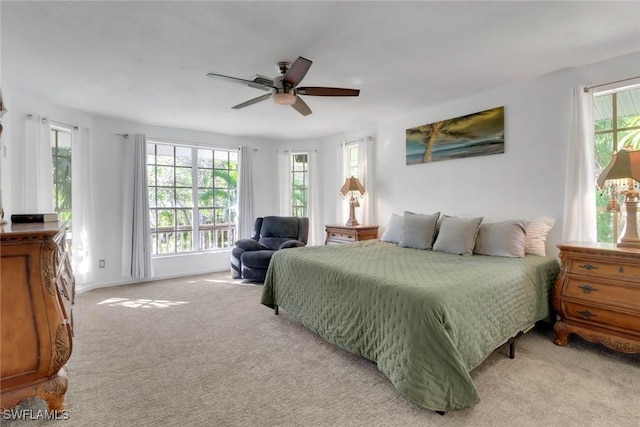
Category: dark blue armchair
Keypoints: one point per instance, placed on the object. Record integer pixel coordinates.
(250, 257)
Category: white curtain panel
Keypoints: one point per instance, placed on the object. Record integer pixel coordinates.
(284, 183)
(36, 171)
(246, 215)
(579, 219)
(136, 258)
(316, 226)
(82, 207)
(342, 206)
(365, 163)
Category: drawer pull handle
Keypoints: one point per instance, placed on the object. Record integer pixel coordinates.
(588, 266)
(587, 289)
(620, 269)
(586, 314)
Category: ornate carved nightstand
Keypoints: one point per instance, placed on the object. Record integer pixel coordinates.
(597, 295)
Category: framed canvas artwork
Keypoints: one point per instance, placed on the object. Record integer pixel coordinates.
(476, 134)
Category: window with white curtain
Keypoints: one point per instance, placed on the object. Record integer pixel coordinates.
(616, 115)
(61, 176)
(299, 184)
(192, 197)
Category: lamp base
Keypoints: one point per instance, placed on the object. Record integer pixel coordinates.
(629, 237)
(631, 244)
(352, 221)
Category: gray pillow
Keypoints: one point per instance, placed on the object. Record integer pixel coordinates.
(506, 238)
(457, 235)
(417, 230)
(393, 232)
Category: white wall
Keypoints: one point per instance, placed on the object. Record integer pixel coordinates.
(106, 195)
(527, 181)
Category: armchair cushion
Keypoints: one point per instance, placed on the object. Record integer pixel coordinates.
(257, 259)
(291, 244)
(249, 245)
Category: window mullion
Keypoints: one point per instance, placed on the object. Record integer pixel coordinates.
(195, 213)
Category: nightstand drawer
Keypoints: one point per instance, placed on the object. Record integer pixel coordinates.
(342, 236)
(594, 315)
(594, 267)
(595, 290)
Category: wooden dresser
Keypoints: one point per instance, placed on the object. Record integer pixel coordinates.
(350, 233)
(36, 296)
(597, 295)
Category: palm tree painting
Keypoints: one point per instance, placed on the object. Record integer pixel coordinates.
(476, 134)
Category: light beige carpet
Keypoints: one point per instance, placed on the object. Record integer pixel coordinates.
(202, 351)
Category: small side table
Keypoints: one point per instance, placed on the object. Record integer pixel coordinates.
(349, 234)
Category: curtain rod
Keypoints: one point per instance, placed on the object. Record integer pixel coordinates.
(588, 88)
(46, 120)
(55, 122)
(183, 143)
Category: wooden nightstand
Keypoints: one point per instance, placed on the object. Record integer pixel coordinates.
(348, 234)
(597, 295)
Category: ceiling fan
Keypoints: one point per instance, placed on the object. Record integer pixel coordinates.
(283, 88)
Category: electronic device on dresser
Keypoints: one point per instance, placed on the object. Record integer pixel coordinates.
(597, 295)
(38, 289)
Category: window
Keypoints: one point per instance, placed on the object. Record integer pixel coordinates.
(192, 198)
(61, 171)
(299, 184)
(617, 125)
(353, 168)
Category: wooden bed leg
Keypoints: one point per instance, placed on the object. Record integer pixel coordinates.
(275, 309)
(441, 413)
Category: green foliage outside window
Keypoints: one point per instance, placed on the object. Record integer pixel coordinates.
(299, 185)
(617, 125)
(192, 198)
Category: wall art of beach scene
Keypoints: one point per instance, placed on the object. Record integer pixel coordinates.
(476, 134)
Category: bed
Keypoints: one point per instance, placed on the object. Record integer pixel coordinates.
(427, 318)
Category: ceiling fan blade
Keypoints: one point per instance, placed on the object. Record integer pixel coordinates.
(301, 107)
(327, 91)
(297, 71)
(252, 101)
(257, 83)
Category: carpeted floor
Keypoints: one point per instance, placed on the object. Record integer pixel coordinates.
(202, 351)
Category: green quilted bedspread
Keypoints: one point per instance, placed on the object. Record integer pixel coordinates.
(426, 318)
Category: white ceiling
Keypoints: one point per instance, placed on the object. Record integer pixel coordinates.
(147, 61)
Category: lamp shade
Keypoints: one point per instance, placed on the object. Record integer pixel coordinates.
(624, 164)
(352, 184)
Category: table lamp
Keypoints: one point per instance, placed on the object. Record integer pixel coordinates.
(352, 185)
(625, 164)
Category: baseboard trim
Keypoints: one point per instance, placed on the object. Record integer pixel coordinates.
(91, 286)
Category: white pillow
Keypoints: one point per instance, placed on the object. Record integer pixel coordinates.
(457, 235)
(418, 230)
(506, 238)
(536, 235)
(393, 232)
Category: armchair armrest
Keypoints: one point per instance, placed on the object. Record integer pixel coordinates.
(249, 245)
(292, 244)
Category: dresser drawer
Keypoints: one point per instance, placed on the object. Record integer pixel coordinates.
(599, 316)
(594, 267)
(604, 292)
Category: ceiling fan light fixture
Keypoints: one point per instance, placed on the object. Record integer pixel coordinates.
(284, 98)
